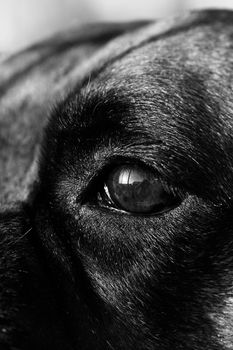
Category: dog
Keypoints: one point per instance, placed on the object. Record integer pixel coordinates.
(116, 188)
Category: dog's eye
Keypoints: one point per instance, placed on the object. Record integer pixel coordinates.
(136, 189)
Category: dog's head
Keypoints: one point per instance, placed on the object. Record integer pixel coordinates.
(134, 209)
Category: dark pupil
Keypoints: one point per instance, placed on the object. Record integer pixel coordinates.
(136, 190)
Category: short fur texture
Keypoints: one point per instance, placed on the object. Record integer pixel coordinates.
(75, 275)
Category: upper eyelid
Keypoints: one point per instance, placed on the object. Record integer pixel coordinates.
(108, 163)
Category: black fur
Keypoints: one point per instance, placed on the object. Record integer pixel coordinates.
(75, 275)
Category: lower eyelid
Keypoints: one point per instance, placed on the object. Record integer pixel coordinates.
(117, 211)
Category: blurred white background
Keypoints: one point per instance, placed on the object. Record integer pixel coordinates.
(25, 21)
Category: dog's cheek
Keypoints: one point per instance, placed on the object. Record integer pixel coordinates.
(116, 250)
(121, 254)
(155, 270)
(148, 278)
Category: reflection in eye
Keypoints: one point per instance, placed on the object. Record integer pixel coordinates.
(137, 190)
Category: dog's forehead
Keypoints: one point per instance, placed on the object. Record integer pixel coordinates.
(181, 70)
(167, 101)
(178, 80)
(178, 69)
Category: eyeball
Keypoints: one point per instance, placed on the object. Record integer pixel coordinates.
(136, 189)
